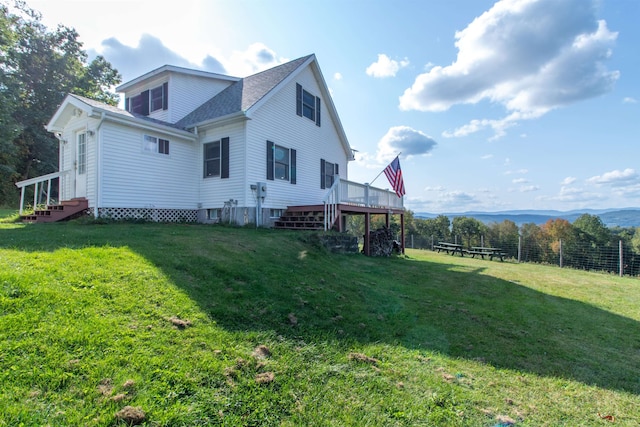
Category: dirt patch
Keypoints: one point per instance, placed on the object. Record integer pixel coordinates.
(359, 357)
(179, 323)
(131, 415)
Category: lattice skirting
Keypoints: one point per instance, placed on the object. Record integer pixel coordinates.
(148, 214)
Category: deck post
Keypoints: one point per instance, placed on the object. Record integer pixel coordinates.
(367, 248)
(402, 232)
(21, 200)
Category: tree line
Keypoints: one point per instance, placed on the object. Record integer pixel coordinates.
(38, 68)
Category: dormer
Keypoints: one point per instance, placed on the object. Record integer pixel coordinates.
(169, 93)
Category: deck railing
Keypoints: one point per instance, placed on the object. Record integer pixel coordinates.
(356, 194)
(39, 188)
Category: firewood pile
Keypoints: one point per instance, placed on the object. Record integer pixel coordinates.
(382, 243)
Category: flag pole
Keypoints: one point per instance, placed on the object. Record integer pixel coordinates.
(377, 176)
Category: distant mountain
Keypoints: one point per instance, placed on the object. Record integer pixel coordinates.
(627, 217)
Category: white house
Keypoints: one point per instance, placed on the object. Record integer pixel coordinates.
(198, 146)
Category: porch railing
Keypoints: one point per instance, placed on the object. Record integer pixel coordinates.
(356, 194)
(39, 187)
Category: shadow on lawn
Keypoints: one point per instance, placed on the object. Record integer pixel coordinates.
(428, 306)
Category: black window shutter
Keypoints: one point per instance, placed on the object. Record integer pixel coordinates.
(322, 179)
(270, 150)
(165, 96)
(298, 99)
(224, 157)
(126, 104)
(145, 103)
(293, 166)
(317, 111)
(337, 172)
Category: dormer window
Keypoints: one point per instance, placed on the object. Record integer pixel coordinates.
(307, 104)
(151, 100)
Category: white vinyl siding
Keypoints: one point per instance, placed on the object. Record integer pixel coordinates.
(186, 93)
(135, 179)
(214, 191)
(277, 121)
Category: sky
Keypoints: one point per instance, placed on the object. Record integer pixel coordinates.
(492, 105)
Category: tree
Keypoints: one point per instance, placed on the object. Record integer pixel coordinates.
(39, 67)
(504, 235)
(431, 230)
(469, 229)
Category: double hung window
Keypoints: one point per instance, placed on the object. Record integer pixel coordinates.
(216, 159)
(328, 171)
(148, 101)
(152, 144)
(307, 104)
(281, 163)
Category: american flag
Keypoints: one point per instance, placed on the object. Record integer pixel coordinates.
(394, 175)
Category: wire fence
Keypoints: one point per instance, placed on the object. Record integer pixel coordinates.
(616, 258)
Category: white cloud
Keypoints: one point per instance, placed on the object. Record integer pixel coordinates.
(616, 178)
(630, 100)
(568, 180)
(257, 57)
(151, 53)
(531, 56)
(528, 188)
(385, 66)
(487, 157)
(337, 76)
(519, 181)
(403, 139)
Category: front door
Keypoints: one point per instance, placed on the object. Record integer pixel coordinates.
(81, 166)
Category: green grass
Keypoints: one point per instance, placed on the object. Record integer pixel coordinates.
(8, 215)
(169, 318)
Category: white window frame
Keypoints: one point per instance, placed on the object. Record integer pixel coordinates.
(153, 144)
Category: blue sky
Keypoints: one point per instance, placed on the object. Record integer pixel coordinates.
(514, 104)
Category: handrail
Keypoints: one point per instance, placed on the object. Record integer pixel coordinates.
(356, 194)
(330, 202)
(35, 181)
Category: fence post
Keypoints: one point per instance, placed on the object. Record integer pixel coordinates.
(621, 260)
(432, 242)
(519, 248)
(482, 240)
(560, 253)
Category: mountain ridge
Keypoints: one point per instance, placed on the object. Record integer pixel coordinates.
(615, 217)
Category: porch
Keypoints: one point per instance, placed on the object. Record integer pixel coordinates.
(347, 198)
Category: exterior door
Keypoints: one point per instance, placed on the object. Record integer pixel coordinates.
(81, 166)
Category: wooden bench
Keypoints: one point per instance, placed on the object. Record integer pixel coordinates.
(484, 251)
(450, 248)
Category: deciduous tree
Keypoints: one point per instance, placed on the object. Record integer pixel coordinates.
(39, 67)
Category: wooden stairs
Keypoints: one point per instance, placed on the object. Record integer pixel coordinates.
(295, 218)
(66, 210)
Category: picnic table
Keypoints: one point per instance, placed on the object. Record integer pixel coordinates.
(486, 251)
(450, 248)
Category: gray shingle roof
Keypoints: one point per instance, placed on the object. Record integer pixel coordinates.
(115, 110)
(242, 95)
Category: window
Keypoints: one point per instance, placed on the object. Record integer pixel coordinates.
(149, 101)
(82, 153)
(281, 163)
(155, 145)
(307, 105)
(214, 214)
(135, 104)
(276, 213)
(216, 159)
(156, 98)
(328, 171)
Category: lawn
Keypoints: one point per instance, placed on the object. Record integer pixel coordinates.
(208, 325)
